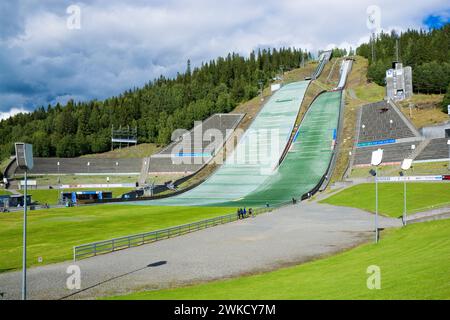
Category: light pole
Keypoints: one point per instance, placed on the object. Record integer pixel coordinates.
(406, 164)
(261, 89)
(24, 159)
(88, 165)
(60, 185)
(448, 143)
(377, 157)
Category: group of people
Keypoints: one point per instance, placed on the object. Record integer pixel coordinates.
(243, 213)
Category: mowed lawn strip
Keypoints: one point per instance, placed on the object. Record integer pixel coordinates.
(52, 233)
(51, 196)
(390, 196)
(414, 264)
(4, 192)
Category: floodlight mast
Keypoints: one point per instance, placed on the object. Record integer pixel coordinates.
(448, 143)
(24, 159)
(406, 164)
(377, 157)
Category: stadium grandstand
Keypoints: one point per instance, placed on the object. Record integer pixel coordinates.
(195, 148)
(87, 166)
(436, 149)
(382, 125)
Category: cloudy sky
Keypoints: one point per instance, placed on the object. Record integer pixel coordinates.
(48, 55)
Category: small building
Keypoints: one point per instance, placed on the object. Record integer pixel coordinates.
(4, 201)
(18, 200)
(86, 196)
(399, 82)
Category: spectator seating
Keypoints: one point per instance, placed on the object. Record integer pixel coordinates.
(395, 152)
(166, 165)
(382, 122)
(436, 149)
(220, 122)
(80, 166)
(187, 155)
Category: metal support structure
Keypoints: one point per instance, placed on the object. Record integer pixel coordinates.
(24, 257)
(404, 202)
(261, 89)
(376, 204)
(448, 143)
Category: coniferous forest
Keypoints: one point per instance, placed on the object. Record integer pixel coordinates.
(158, 108)
(427, 52)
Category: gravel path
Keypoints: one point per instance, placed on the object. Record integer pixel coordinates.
(286, 236)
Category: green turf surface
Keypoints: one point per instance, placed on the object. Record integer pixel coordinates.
(419, 196)
(51, 196)
(52, 233)
(4, 192)
(414, 263)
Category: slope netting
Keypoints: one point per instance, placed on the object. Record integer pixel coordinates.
(256, 156)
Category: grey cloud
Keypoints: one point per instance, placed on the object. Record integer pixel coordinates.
(126, 44)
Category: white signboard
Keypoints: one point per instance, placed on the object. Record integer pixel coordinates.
(406, 164)
(410, 178)
(377, 156)
(448, 109)
(29, 183)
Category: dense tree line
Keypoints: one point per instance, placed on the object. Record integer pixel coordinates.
(427, 52)
(156, 109)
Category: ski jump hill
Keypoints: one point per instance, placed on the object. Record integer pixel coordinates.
(252, 175)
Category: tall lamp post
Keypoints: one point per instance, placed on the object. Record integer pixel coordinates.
(406, 164)
(24, 159)
(261, 89)
(377, 157)
(61, 198)
(448, 143)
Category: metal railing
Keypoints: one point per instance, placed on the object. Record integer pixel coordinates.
(111, 245)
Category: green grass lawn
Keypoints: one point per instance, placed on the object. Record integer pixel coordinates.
(52, 233)
(370, 92)
(414, 263)
(4, 192)
(419, 196)
(51, 196)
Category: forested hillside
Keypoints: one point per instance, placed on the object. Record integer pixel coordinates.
(157, 109)
(427, 52)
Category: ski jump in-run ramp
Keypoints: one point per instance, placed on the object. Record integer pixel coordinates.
(251, 176)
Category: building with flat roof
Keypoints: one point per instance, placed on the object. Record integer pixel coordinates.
(399, 82)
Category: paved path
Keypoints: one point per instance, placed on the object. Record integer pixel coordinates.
(289, 235)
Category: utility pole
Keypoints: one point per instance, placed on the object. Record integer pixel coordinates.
(261, 88)
(24, 159)
(373, 47)
(396, 49)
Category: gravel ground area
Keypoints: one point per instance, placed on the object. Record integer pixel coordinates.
(284, 237)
